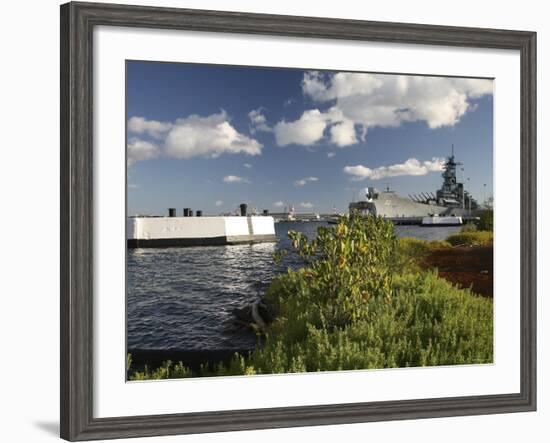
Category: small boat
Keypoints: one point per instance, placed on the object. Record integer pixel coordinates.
(441, 220)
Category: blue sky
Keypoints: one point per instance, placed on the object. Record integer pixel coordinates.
(210, 137)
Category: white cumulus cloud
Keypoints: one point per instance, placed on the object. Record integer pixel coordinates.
(411, 167)
(305, 181)
(247, 165)
(208, 137)
(138, 150)
(361, 101)
(342, 84)
(307, 205)
(235, 179)
(218, 203)
(343, 133)
(192, 136)
(311, 126)
(307, 130)
(154, 128)
(279, 204)
(258, 120)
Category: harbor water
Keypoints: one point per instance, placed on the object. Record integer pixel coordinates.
(181, 299)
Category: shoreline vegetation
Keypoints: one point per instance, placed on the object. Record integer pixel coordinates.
(364, 299)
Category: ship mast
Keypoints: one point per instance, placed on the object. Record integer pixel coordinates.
(450, 190)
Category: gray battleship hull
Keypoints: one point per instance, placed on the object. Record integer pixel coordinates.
(391, 205)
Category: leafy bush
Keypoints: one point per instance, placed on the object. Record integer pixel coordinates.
(416, 246)
(439, 244)
(352, 307)
(344, 267)
(413, 246)
(478, 238)
(469, 227)
(426, 322)
(411, 253)
(485, 222)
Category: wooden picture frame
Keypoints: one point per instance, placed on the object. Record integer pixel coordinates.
(77, 23)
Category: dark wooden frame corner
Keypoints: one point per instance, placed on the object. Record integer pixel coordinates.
(77, 23)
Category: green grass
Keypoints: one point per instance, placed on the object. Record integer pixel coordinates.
(477, 238)
(167, 370)
(361, 302)
(411, 252)
(469, 227)
(426, 322)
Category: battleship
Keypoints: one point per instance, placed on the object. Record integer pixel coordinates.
(451, 203)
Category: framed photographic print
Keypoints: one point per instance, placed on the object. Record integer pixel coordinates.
(273, 221)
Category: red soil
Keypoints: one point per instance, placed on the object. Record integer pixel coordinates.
(465, 267)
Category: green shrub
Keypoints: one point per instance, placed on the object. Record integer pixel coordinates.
(485, 222)
(417, 247)
(167, 370)
(329, 315)
(478, 238)
(469, 227)
(426, 322)
(439, 244)
(411, 252)
(344, 267)
(413, 246)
